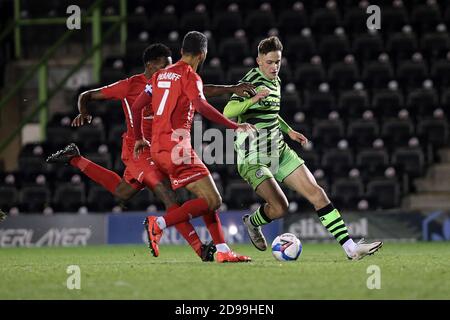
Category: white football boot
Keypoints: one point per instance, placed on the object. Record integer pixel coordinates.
(363, 249)
(255, 234)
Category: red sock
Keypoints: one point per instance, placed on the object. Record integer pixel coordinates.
(186, 229)
(214, 226)
(107, 178)
(189, 210)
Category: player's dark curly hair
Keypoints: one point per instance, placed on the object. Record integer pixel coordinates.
(269, 44)
(155, 51)
(194, 43)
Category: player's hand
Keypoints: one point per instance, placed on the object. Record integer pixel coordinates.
(81, 119)
(260, 95)
(297, 136)
(244, 89)
(248, 128)
(139, 146)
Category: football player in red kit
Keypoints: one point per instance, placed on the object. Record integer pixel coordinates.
(139, 172)
(176, 93)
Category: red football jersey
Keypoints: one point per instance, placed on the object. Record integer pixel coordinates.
(173, 89)
(127, 91)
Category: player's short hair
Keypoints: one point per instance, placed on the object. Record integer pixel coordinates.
(156, 51)
(194, 43)
(269, 44)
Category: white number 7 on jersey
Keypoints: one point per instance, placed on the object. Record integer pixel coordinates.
(162, 104)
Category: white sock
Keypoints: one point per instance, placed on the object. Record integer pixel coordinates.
(161, 222)
(222, 247)
(349, 247)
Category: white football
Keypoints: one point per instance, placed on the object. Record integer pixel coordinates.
(286, 247)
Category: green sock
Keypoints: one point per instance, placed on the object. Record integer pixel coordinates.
(331, 219)
(259, 218)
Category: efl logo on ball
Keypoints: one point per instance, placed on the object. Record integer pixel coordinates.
(286, 247)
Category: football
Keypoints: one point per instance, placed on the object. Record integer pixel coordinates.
(286, 247)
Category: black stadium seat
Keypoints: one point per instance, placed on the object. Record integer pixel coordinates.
(34, 198)
(384, 193)
(69, 197)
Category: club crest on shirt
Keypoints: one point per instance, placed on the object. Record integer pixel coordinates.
(259, 173)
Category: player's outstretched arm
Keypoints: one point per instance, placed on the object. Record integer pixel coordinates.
(236, 107)
(241, 89)
(294, 135)
(210, 113)
(83, 99)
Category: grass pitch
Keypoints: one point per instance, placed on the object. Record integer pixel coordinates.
(408, 271)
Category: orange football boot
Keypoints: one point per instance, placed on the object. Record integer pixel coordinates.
(230, 256)
(154, 234)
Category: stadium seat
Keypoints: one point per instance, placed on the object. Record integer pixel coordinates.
(397, 131)
(326, 133)
(299, 48)
(346, 192)
(9, 197)
(319, 104)
(424, 18)
(411, 74)
(233, 50)
(259, 22)
(353, 103)
(69, 197)
(333, 48)
(434, 131)
(292, 21)
(393, 18)
(401, 45)
(435, 45)
(34, 198)
(212, 75)
(31, 165)
(164, 22)
(440, 73)
(387, 103)
(342, 75)
(225, 23)
(308, 76)
(422, 102)
(384, 193)
(376, 74)
(99, 199)
(337, 162)
(362, 132)
(59, 136)
(367, 47)
(410, 160)
(324, 21)
(372, 161)
(194, 20)
(355, 20)
(90, 137)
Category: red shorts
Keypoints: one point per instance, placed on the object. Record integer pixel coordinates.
(181, 174)
(137, 169)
